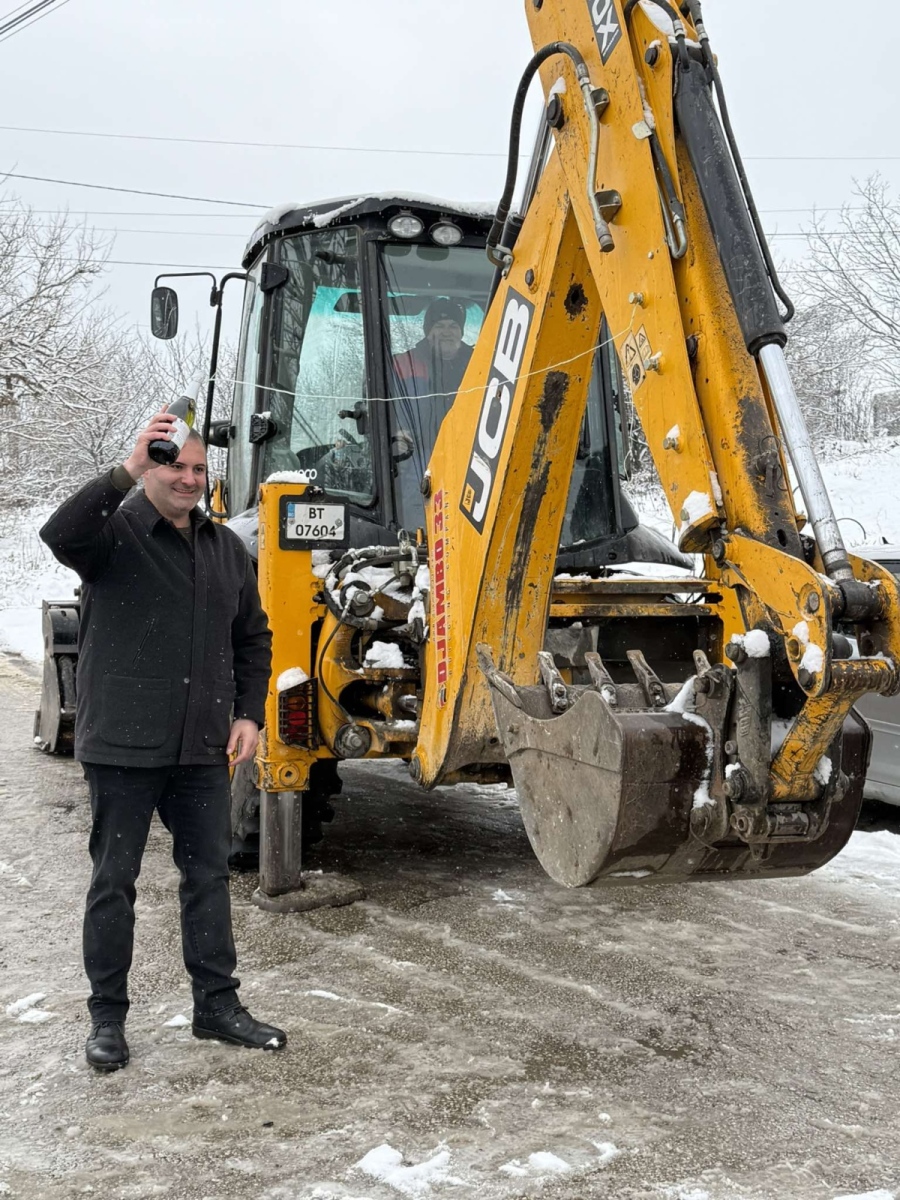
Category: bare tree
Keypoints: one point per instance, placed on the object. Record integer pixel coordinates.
(854, 276)
(51, 345)
(833, 371)
(76, 385)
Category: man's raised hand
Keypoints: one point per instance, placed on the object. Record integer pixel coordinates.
(139, 461)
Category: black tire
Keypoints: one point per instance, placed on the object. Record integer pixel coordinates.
(244, 820)
(325, 782)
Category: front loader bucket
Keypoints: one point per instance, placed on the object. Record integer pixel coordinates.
(54, 721)
(611, 796)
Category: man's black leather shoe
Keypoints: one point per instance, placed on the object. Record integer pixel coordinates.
(240, 1028)
(106, 1048)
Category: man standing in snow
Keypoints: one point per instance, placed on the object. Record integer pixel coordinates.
(172, 640)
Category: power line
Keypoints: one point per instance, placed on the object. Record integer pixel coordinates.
(102, 187)
(169, 232)
(118, 212)
(814, 208)
(34, 20)
(118, 262)
(798, 234)
(18, 8)
(100, 263)
(23, 16)
(198, 141)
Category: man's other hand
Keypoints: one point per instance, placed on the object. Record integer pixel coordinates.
(159, 429)
(243, 741)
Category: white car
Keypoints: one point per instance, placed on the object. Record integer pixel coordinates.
(883, 712)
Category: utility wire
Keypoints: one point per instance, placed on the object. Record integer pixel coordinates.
(795, 234)
(23, 16)
(192, 141)
(118, 262)
(198, 141)
(18, 8)
(118, 212)
(100, 263)
(102, 187)
(34, 20)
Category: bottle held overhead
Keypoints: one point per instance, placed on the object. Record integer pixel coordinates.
(166, 450)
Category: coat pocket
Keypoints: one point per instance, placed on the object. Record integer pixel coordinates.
(221, 702)
(135, 712)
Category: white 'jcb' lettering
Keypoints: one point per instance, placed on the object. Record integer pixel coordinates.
(491, 443)
(482, 472)
(511, 345)
(496, 408)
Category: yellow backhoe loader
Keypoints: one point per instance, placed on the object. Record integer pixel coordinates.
(425, 452)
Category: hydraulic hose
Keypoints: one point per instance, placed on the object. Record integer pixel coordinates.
(515, 135)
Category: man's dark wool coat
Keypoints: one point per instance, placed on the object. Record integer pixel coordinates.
(172, 639)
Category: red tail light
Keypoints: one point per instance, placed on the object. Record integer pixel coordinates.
(297, 719)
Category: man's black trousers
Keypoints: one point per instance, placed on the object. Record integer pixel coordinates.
(194, 804)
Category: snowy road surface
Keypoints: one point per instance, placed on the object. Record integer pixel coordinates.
(471, 1030)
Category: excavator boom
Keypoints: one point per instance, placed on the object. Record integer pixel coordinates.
(641, 215)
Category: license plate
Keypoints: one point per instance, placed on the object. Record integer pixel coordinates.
(318, 524)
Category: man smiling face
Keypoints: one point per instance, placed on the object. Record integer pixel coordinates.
(174, 491)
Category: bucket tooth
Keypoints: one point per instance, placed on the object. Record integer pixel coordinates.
(601, 678)
(495, 678)
(651, 684)
(702, 665)
(553, 682)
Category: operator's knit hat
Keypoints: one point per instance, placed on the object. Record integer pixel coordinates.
(443, 310)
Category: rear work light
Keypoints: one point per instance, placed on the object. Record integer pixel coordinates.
(446, 234)
(406, 225)
(297, 718)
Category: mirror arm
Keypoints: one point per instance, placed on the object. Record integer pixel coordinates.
(215, 299)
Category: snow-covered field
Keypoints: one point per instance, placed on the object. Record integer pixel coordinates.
(28, 575)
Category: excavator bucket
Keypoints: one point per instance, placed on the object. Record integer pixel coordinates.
(617, 783)
(54, 721)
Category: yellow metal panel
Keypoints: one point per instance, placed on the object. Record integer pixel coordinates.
(493, 584)
(287, 586)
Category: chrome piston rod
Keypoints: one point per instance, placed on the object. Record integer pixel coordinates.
(812, 485)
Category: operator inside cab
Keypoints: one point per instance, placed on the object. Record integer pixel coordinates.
(425, 382)
(435, 366)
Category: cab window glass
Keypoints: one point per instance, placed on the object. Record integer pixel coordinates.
(319, 406)
(434, 299)
(590, 511)
(244, 401)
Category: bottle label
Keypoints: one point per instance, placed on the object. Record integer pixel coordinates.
(179, 434)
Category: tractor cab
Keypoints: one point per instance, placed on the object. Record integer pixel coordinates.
(359, 319)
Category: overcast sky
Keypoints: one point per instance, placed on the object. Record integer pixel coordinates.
(400, 76)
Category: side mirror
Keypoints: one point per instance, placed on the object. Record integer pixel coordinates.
(164, 313)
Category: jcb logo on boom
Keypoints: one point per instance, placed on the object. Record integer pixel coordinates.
(495, 409)
(607, 28)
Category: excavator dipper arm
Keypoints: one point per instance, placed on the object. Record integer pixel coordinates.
(641, 216)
